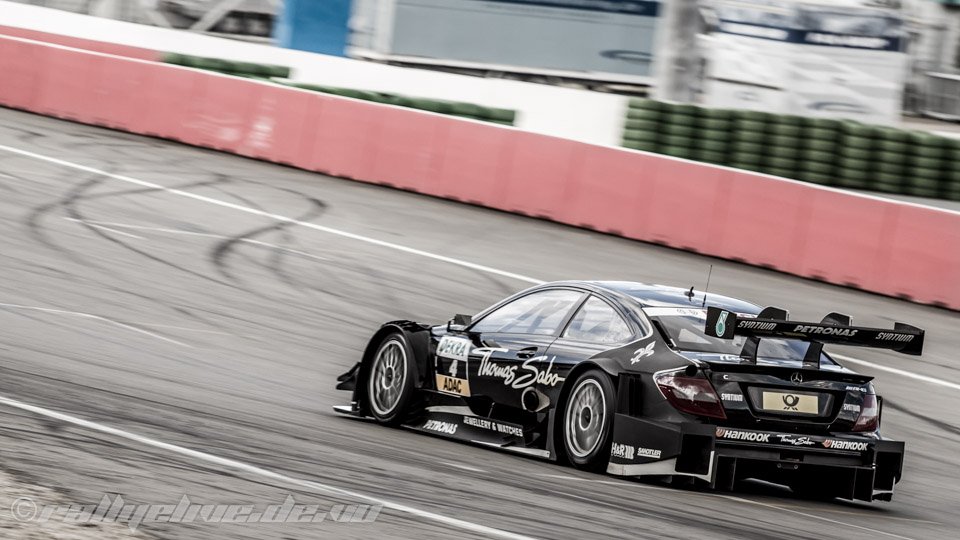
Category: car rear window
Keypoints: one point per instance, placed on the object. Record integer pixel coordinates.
(685, 327)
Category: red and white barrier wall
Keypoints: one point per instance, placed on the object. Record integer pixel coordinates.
(874, 244)
(81, 43)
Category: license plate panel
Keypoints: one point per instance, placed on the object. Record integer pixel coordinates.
(790, 403)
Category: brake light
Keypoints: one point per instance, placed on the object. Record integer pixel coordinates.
(869, 419)
(690, 394)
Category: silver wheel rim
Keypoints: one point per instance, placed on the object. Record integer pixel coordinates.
(584, 419)
(387, 377)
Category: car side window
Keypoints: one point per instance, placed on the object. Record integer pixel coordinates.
(597, 322)
(539, 313)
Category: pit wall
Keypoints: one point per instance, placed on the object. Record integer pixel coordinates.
(888, 247)
(580, 115)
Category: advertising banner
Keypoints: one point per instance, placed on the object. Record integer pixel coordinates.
(608, 36)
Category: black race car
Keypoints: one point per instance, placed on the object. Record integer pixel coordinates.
(640, 380)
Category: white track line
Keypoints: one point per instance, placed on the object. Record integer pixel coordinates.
(259, 471)
(108, 229)
(635, 485)
(812, 516)
(108, 224)
(902, 373)
(184, 329)
(461, 466)
(277, 217)
(95, 317)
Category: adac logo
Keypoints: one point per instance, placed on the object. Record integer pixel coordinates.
(721, 323)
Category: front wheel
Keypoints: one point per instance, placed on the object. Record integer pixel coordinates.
(588, 421)
(390, 380)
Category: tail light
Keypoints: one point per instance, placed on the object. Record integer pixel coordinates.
(689, 393)
(869, 419)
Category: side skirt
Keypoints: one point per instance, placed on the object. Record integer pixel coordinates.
(459, 423)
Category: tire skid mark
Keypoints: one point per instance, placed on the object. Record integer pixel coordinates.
(222, 250)
(318, 208)
(71, 202)
(70, 205)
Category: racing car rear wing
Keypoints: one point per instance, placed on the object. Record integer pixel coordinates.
(834, 328)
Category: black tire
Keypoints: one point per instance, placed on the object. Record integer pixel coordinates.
(713, 135)
(711, 156)
(643, 114)
(817, 168)
(817, 178)
(640, 135)
(581, 450)
(781, 163)
(856, 141)
(683, 152)
(714, 146)
(648, 104)
(749, 136)
(724, 114)
(645, 146)
(750, 148)
(642, 125)
(818, 156)
(718, 124)
(783, 173)
(391, 410)
(898, 147)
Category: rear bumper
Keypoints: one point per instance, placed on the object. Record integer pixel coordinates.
(850, 467)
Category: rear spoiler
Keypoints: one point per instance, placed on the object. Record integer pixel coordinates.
(834, 328)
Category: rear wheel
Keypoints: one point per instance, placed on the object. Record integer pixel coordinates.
(390, 380)
(588, 421)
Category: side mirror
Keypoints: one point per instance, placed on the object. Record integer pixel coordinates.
(459, 322)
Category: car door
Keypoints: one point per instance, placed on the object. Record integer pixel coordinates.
(510, 344)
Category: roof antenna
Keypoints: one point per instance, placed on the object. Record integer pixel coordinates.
(709, 273)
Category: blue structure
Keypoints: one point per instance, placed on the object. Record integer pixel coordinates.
(314, 25)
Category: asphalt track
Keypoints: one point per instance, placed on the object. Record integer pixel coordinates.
(165, 300)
